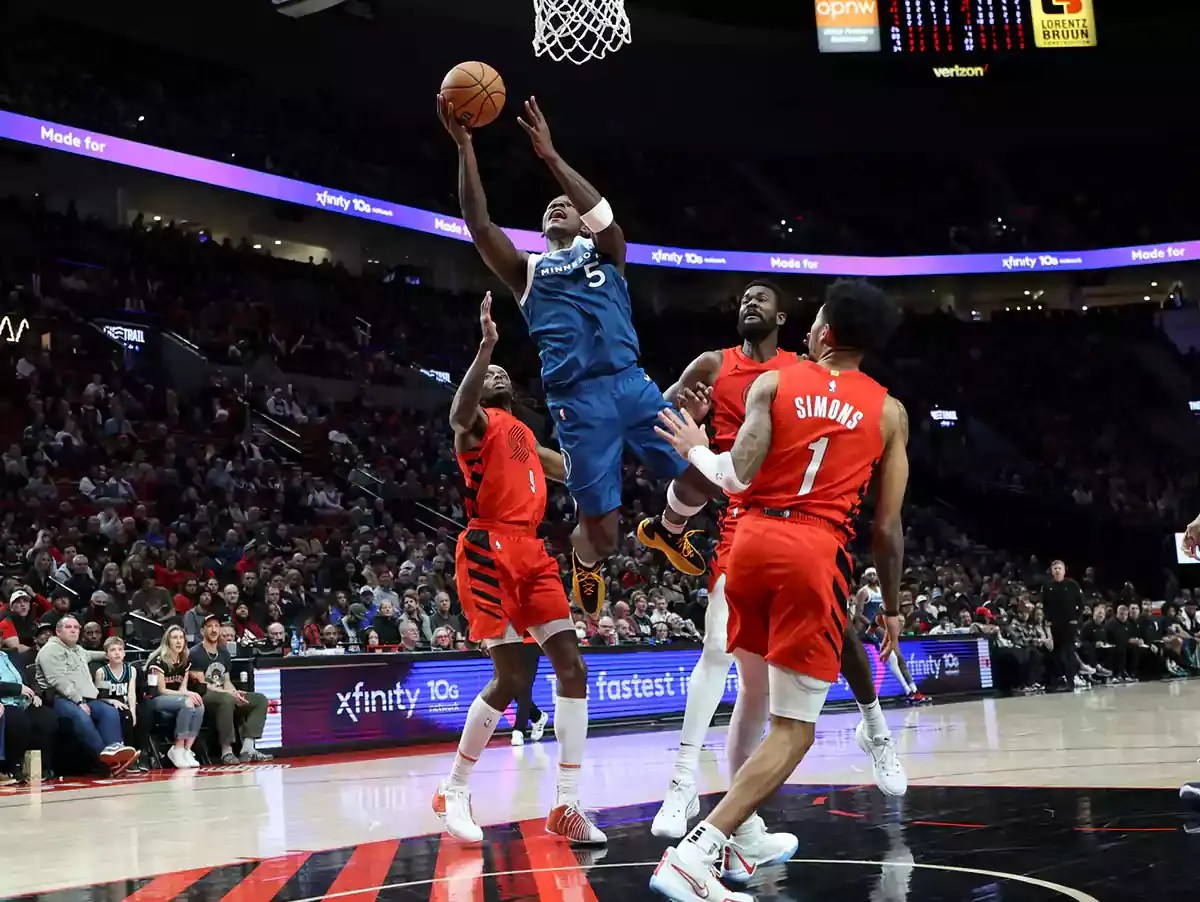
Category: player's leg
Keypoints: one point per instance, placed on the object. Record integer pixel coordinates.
(589, 436)
(641, 401)
(452, 799)
(899, 668)
(706, 686)
(795, 700)
(873, 735)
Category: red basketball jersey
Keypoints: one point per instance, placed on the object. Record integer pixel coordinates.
(504, 481)
(732, 384)
(825, 442)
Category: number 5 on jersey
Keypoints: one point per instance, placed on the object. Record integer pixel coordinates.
(818, 449)
(595, 276)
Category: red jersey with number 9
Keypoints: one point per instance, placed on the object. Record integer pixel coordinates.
(504, 480)
(826, 439)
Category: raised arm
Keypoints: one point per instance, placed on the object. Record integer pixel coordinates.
(693, 390)
(553, 464)
(496, 248)
(588, 202)
(467, 418)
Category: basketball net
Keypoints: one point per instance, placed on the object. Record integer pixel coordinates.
(579, 30)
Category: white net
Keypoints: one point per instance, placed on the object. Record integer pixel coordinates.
(579, 30)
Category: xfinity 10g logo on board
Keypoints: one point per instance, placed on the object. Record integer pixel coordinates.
(442, 695)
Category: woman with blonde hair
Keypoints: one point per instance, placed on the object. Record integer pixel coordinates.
(168, 680)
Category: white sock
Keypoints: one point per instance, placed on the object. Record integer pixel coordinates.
(706, 686)
(877, 727)
(570, 729)
(894, 667)
(683, 512)
(482, 720)
(586, 564)
(247, 746)
(703, 845)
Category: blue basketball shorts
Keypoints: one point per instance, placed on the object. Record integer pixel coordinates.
(596, 420)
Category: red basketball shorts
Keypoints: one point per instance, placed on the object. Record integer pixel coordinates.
(505, 578)
(720, 558)
(787, 583)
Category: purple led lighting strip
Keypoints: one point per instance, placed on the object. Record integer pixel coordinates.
(168, 162)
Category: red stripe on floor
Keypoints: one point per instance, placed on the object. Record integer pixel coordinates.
(840, 813)
(458, 874)
(819, 800)
(555, 868)
(168, 886)
(364, 873)
(266, 880)
(947, 824)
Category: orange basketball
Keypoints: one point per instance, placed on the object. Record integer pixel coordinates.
(477, 92)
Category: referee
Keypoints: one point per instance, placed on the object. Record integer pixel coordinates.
(1062, 600)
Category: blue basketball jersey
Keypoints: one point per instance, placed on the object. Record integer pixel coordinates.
(577, 307)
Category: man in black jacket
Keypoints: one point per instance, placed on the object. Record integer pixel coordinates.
(1062, 601)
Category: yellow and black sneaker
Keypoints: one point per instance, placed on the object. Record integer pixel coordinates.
(683, 555)
(588, 584)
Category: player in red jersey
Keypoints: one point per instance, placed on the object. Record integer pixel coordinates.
(725, 377)
(814, 435)
(509, 585)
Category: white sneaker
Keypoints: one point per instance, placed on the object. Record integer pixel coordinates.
(453, 806)
(681, 804)
(573, 824)
(1081, 683)
(538, 727)
(682, 881)
(193, 761)
(179, 757)
(518, 737)
(889, 772)
(752, 847)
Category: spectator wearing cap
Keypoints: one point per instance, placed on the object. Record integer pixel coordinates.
(366, 596)
(352, 626)
(60, 606)
(17, 626)
(42, 635)
(193, 620)
(226, 706)
(65, 668)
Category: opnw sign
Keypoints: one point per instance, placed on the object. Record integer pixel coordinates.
(1063, 23)
(847, 26)
(11, 329)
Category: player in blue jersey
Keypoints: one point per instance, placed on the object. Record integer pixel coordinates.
(576, 303)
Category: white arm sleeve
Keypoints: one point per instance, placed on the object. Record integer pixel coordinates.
(717, 469)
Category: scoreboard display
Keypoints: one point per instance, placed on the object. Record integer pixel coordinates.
(953, 28)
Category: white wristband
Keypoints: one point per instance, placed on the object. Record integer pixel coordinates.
(717, 469)
(599, 218)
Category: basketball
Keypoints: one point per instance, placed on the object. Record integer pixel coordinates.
(477, 92)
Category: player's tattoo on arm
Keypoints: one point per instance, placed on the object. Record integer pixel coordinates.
(887, 534)
(553, 464)
(496, 248)
(754, 438)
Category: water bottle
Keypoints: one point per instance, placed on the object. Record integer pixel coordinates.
(295, 643)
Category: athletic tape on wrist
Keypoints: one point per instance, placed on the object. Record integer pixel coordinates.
(599, 218)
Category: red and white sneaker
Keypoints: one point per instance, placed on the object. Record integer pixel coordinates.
(919, 698)
(453, 806)
(752, 847)
(681, 880)
(571, 823)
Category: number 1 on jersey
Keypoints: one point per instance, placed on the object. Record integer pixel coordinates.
(810, 475)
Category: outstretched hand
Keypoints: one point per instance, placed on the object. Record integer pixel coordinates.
(696, 402)
(459, 132)
(682, 432)
(1191, 539)
(535, 126)
(488, 325)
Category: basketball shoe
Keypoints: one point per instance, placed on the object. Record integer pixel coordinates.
(681, 804)
(889, 772)
(588, 584)
(685, 876)
(571, 823)
(752, 847)
(453, 805)
(678, 548)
